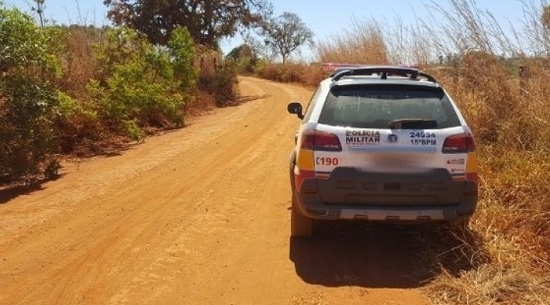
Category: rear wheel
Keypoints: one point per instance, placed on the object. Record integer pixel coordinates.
(300, 225)
(291, 169)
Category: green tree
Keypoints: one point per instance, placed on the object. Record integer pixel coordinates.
(206, 20)
(286, 34)
(141, 84)
(244, 57)
(182, 53)
(29, 103)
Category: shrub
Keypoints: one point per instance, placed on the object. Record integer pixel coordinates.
(182, 54)
(269, 71)
(217, 78)
(29, 104)
(141, 85)
(244, 58)
(79, 126)
(225, 81)
(27, 131)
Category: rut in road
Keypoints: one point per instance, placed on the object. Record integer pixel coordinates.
(195, 216)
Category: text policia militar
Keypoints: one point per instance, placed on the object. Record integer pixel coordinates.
(362, 137)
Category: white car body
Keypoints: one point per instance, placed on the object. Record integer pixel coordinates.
(363, 152)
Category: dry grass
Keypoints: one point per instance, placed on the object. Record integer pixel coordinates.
(362, 43)
(307, 74)
(79, 64)
(201, 102)
(490, 285)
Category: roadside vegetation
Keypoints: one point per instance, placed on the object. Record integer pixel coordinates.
(81, 90)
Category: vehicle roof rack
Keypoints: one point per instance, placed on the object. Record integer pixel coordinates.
(384, 72)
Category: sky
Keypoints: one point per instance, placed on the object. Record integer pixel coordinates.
(325, 17)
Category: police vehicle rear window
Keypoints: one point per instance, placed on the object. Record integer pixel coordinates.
(376, 106)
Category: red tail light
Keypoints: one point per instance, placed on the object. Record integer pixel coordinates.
(320, 141)
(460, 143)
(472, 177)
(299, 179)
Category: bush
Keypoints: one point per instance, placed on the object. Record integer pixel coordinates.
(29, 103)
(225, 82)
(27, 131)
(222, 85)
(140, 85)
(244, 58)
(269, 71)
(79, 127)
(218, 79)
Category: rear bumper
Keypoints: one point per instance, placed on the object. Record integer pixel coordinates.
(317, 210)
(389, 197)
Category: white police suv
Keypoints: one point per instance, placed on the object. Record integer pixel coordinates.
(381, 143)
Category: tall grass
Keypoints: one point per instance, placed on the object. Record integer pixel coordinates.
(478, 60)
(362, 43)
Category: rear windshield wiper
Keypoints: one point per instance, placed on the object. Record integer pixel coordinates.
(413, 123)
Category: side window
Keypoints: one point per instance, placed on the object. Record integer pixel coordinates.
(310, 107)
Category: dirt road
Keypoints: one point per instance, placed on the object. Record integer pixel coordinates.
(195, 216)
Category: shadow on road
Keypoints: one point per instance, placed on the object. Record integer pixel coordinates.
(249, 98)
(383, 256)
(9, 193)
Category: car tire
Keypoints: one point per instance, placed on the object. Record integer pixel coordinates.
(291, 169)
(300, 225)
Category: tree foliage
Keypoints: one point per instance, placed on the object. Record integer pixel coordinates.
(286, 34)
(206, 20)
(140, 84)
(29, 103)
(244, 57)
